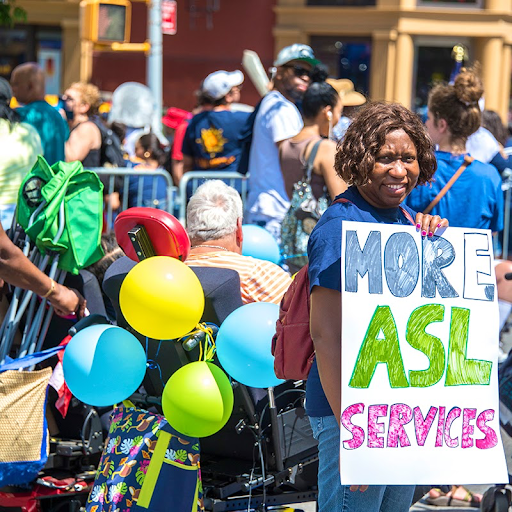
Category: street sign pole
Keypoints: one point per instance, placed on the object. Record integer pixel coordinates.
(154, 61)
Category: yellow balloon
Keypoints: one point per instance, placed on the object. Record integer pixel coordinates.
(162, 298)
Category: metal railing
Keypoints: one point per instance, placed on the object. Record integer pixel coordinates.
(111, 178)
(506, 186)
(192, 179)
(176, 197)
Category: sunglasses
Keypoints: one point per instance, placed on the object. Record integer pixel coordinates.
(298, 71)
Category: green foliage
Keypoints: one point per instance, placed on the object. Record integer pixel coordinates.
(127, 424)
(181, 455)
(10, 14)
(121, 488)
(139, 476)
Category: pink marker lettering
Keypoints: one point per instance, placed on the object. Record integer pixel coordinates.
(399, 415)
(422, 426)
(374, 427)
(440, 425)
(451, 442)
(467, 429)
(357, 432)
(491, 439)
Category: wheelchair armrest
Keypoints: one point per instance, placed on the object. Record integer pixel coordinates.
(87, 321)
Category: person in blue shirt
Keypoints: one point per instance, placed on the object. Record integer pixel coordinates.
(385, 153)
(148, 191)
(28, 85)
(212, 140)
(475, 199)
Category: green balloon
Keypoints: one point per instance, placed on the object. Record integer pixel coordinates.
(198, 399)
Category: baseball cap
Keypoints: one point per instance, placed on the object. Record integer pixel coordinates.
(296, 52)
(217, 85)
(345, 88)
(174, 117)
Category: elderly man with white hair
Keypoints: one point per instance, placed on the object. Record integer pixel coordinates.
(214, 225)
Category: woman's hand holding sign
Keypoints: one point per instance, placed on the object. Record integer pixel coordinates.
(429, 224)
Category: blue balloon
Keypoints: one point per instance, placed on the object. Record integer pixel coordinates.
(103, 365)
(259, 243)
(244, 344)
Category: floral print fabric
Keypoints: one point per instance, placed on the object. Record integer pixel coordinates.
(125, 461)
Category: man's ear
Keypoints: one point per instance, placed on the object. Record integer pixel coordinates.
(239, 231)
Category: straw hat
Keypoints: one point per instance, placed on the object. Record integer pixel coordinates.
(345, 88)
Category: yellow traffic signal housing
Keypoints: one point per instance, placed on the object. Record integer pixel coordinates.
(105, 21)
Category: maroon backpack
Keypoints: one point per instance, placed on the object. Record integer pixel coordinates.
(292, 346)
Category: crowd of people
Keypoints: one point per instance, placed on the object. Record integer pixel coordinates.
(310, 141)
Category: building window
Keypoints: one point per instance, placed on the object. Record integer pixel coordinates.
(342, 3)
(434, 62)
(450, 3)
(346, 57)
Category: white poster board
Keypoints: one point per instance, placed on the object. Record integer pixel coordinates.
(419, 357)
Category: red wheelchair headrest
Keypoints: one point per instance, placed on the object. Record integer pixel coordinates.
(166, 233)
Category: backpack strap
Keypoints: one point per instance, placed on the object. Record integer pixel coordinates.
(405, 213)
(467, 160)
(311, 160)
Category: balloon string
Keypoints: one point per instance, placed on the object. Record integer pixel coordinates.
(206, 352)
(158, 349)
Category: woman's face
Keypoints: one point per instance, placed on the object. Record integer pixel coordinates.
(432, 128)
(73, 100)
(395, 173)
(336, 112)
(139, 151)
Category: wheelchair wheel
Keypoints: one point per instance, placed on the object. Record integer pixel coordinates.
(501, 502)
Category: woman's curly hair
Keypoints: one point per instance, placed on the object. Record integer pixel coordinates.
(90, 94)
(356, 152)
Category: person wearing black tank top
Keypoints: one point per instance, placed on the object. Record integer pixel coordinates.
(82, 101)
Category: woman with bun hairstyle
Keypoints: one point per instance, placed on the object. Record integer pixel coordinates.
(311, 147)
(321, 110)
(475, 199)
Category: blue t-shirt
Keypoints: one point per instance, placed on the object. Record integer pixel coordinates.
(324, 252)
(475, 200)
(50, 125)
(212, 139)
(148, 191)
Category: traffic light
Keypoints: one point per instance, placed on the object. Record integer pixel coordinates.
(105, 21)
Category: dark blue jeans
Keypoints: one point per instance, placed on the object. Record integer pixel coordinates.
(334, 497)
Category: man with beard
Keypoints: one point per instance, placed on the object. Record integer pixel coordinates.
(277, 119)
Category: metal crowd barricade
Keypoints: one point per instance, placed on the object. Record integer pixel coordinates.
(506, 186)
(195, 178)
(108, 175)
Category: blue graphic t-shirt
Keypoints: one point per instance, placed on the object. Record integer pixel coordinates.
(324, 252)
(212, 139)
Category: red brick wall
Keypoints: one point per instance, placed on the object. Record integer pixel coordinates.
(193, 53)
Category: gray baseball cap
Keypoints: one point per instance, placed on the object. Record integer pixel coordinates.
(296, 52)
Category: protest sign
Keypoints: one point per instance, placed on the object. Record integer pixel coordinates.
(419, 357)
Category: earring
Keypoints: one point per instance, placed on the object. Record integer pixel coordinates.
(147, 154)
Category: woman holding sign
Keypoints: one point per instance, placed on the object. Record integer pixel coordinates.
(386, 152)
